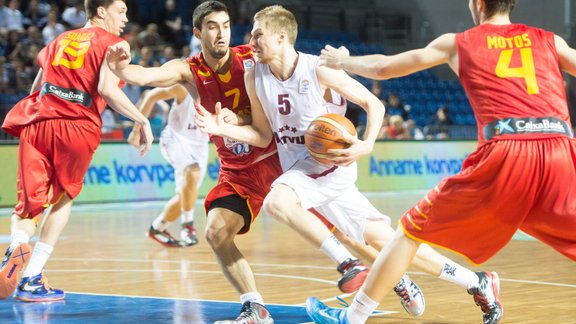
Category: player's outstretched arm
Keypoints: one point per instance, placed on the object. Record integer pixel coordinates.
(114, 96)
(380, 67)
(170, 73)
(566, 56)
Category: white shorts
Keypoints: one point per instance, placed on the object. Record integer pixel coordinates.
(333, 193)
(181, 152)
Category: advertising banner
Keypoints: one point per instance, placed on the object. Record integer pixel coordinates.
(118, 172)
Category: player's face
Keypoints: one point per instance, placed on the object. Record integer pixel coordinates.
(262, 42)
(215, 34)
(115, 17)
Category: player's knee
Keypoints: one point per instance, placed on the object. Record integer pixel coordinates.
(191, 173)
(274, 207)
(218, 234)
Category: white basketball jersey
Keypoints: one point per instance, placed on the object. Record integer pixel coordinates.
(291, 105)
(181, 121)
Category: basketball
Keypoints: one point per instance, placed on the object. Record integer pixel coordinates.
(327, 132)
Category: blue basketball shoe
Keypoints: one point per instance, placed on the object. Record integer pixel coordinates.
(322, 314)
(36, 289)
(14, 261)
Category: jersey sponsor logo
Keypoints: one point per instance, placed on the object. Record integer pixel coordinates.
(292, 139)
(248, 64)
(284, 139)
(304, 86)
(72, 95)
(528, 125)
(236, 147)
(504, 127)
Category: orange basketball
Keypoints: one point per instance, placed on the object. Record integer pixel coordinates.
(325, 133)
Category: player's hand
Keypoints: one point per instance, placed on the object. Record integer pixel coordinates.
(230, 117)
(208, 122)
(332, 57)
(355, 151)
(146, 138)
(118, 57)
(134, 137)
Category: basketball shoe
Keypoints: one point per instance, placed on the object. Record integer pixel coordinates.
(322, 314)
(36, 289)
(486, 295)
(162, 237)
(353, 275)
(411, 296)
(14, 261)
(188, 234)
(251, 313)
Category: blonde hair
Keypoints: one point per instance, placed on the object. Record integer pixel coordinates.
(277, 18)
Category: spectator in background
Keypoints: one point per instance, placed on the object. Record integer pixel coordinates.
(396, 130)
(34, 15)
(439, 128)
(150, 36)
(33, 37)
(110, 121)
(395, 106)
(3, 10)
(13, 17)
(75, 16)
(413, 129)
(186, 51)
(53, 28)
(172, 24)
(3, 76)
(195, 45)
(167, 55)
(146, 58)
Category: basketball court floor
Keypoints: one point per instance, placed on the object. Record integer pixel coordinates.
(112, 273)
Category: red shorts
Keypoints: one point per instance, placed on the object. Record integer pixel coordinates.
(53, 157)
(504, 186)
(252, 183)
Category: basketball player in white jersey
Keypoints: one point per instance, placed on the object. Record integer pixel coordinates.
(185, 147)
(287, 90)
(284, 102)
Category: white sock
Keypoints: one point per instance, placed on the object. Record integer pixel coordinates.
(187, 216)
(19, 237)
(335, 250)
(253, 297)
(38, 259)
(160, 224)
(362, 307)
(455, 273)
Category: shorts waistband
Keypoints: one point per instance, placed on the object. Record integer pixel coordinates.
(527, 125)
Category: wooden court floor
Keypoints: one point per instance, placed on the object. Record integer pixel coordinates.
(104, 251)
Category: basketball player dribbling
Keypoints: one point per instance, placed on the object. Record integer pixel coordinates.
(287, 91)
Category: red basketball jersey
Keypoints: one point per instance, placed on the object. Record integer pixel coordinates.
(228, 88)
(69, 86)
(511, 71)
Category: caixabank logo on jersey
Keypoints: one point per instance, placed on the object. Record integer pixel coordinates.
(527, 125)
(72, 95)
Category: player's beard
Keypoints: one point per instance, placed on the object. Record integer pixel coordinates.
(218, 53)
